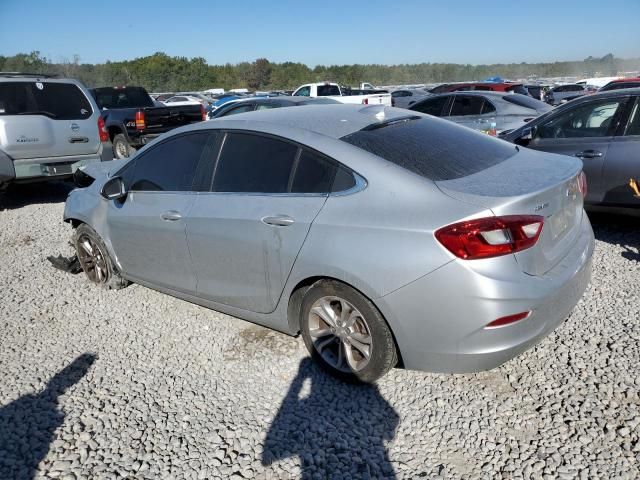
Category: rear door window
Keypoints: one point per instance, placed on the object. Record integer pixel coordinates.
(466, 105)
(254, 164)
(58, 101)
(432, 148)
(328, 90)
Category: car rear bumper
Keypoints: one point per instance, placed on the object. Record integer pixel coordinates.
(439, 320)
(54, 167)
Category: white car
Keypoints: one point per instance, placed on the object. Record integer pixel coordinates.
(183, 100)
(335, 91)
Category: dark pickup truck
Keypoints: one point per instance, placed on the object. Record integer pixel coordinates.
(133, 120)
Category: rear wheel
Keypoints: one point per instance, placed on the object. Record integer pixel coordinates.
(346, 333)
(95, 260)
(121, 147)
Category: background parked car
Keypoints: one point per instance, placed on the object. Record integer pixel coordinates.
(406, 97)
(132, 119)
(265, 103)
(48, 128)
(292, 205)
(482, 86)
(492, 112)
(603, 130)
(557, 94)
(183, 100)
(620, 84)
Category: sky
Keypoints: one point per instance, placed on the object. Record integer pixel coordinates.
(323, 32)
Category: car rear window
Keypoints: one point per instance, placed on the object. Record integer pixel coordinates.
(130, 97)
(59, 101)
(328, 90)
(524, 101)
(432, 148)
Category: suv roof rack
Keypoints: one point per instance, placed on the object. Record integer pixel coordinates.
(28, 74)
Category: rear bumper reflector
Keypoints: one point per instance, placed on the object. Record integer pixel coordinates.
(508, 320)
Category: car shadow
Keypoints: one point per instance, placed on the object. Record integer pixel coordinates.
(28, 424)
(21, 195)
(623, 230)
(337, 430)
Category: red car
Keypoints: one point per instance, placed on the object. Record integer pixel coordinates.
(621, 83)
(486, 86)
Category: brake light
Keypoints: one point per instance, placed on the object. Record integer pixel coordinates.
(102, 130)
(140, 125)
(365, 101)
(203, 113)
(508, 320)
(491, 237)
(582, 184)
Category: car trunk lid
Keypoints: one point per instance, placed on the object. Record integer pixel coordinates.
(530, 183)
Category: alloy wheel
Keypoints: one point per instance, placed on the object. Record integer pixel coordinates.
(92, 259)
(340, 334)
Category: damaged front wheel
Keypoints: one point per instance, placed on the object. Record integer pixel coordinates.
(95, 260)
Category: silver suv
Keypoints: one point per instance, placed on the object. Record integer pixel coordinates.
(48, 128)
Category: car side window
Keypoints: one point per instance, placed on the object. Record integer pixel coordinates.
(432, 107)
(466, 105)
(167, 167)
(238, 109)
(593, 119)
(487, 107)
(633, 127)
(315, 173)
(265, 106)
(303, 92)
(254, 164)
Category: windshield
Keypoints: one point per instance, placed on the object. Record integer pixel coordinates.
(59, 101)
(128, 97)
(432, 148)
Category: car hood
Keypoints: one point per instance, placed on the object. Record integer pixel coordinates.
(102, 169)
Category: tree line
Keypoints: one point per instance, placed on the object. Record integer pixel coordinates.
(160, 72)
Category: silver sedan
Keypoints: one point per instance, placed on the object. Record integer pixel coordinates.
(490, 112)
(383, 236)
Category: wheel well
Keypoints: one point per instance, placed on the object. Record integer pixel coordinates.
(295, 306)
(75, 223)
(113, 131)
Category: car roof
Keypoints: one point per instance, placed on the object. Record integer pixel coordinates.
(32, 78)
(334, 121)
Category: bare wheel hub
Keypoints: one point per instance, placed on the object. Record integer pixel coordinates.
(340, 334)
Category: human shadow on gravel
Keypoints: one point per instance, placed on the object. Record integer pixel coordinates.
(21, 195)
(623, 230)
(28, 424)
(337, 430)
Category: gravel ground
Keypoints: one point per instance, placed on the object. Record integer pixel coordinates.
(136, 384)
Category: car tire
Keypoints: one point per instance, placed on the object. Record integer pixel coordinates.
(121, 147)
(95, 260)
(345, 333)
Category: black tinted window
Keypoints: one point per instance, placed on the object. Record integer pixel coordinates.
(633, 127)
(170, 166)
(315, 173)
(487, 107)
(59, 101)
(129, 97)
(253, 163)
(464, 105)
(620, 86)
(431, 107)
(433, 148)
(328, 90)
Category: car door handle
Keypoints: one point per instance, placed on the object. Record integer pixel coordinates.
(279, 220)
(78, 139)
(589, 154)
(171, 215)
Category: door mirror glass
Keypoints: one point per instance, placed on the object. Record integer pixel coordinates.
(114, 189)
(528, 133)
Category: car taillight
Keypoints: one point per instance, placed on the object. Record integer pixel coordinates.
(140, 125)
(582, 184)
(102, 130)
(203, 113)
(365, 101)
(492, 236)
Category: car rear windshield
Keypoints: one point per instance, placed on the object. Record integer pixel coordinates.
(129, 97)
(432, 148)
(524, 101)
(59, 101)
(328, 90)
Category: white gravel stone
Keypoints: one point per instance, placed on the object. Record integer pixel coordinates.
(178, 391)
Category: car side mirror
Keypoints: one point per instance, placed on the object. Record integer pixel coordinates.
(527, 135)
(114, 189)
